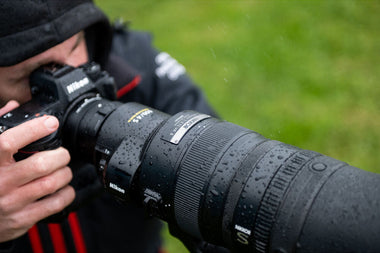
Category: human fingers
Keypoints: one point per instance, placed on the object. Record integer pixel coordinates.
(12, 104)
(22, 184)
(36, 166)
(17, 224)
(49, 205)
(18, 137)
(15, 200)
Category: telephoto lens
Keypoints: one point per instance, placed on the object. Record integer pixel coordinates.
(224, 184)
(215, 183)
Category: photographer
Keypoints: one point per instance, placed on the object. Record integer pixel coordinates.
(35, 33)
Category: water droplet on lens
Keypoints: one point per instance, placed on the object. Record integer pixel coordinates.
(259, 178)
(215, 193)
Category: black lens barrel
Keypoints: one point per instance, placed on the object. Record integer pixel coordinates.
(228, 185)
(231, 186)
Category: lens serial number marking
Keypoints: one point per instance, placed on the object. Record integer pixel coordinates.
(138, 116)
(181, 130)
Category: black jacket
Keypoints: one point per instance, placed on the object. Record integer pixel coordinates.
(143, 75)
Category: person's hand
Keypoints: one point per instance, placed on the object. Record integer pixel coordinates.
(36, 187)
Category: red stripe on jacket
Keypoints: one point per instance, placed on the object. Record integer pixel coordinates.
(79, 242)
(57, 238)
(35, 240)
(128, 87)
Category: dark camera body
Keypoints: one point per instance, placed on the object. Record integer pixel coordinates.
(55, 89)
(211, 180)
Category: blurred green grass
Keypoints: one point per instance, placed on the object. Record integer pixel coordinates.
(303, 72)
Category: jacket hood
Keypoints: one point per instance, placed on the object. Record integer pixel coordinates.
(29, 27)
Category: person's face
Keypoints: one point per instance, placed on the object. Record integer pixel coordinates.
(14, 80)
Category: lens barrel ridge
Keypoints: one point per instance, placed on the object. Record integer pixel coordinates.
(276, 191)
(224, 186)
(193, 182)
(238, 185)
(313, 170)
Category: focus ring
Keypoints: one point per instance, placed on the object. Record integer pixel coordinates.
(274, 195)
(196, 167)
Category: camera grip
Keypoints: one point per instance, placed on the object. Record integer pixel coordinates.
(49, 142)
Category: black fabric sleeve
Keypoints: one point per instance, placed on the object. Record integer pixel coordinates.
(6, 247)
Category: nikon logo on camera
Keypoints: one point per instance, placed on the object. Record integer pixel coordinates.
(117, 188)
(77, 85)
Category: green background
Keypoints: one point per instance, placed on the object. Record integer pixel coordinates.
(303, 72)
